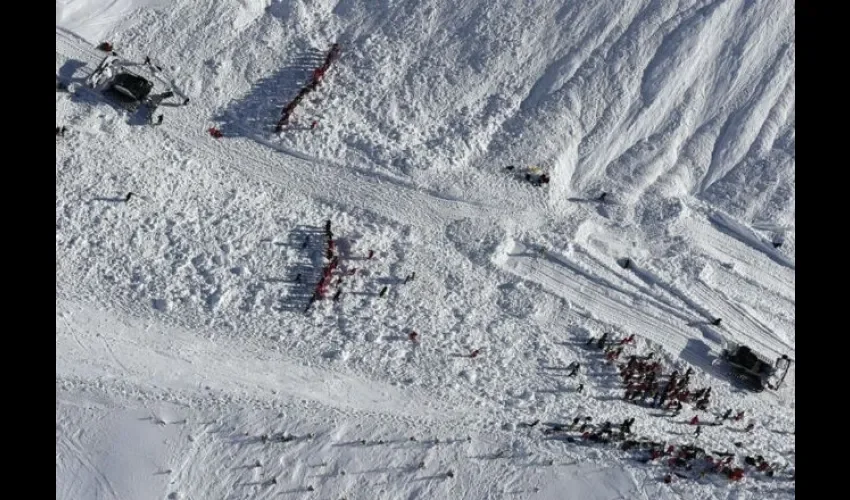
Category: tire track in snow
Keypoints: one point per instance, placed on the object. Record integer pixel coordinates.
(618, 308)
(723, 248)
(741, 324)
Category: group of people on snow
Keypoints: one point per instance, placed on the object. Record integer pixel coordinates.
(318, 76)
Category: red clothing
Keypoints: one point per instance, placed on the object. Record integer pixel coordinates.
(695, 420)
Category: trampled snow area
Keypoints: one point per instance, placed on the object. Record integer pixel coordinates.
(190, 364)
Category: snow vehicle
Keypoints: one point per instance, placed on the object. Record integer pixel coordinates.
(753, 370)
(134, 87)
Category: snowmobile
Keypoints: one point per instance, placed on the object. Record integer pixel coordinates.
(130, 86)
(753, 370)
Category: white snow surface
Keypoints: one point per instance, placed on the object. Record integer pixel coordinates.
(181, 336)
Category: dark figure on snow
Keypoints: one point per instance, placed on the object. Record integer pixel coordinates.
(313, 125)
(626, 263)
(127, 198)
(509, 167)
(159, 119)
(337, 295)
(413, 336)
(602, 196)
(148, 60)
(580, 388)
(574, 371)
(383, 291)
(371, 254)
(474, 354)
(306, 242)
(60, 131)
(298, 278)
(716, 322)
(409, 277)
(601, 342)
(698, 431)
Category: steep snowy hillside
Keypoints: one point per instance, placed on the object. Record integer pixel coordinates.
(185, 326)
(675, 98)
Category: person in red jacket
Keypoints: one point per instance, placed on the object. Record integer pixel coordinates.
(695, 420)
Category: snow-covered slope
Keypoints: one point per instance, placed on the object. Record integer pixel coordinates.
(187, 303)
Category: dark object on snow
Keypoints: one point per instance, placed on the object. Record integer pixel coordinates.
(754, 370)
(127, 198)
(409, 277)
(383, 291)
(602, 196)
(475, 353)
(159, 119)
(337, 295)
(601, 342)
(328, 226)
(509, 167)
(625, 263)
(777, 244)
(130, 88)
(105, 46)
(306, 242)
(413, 336)
(371, 254)
(450, 474)
(60, 131)
(580, 388)
(716, 322)
(215, 132)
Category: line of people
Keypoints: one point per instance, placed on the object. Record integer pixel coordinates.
(318, 76)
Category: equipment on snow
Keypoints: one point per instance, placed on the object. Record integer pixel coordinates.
(215, 132)
(383, 291)
(105, 46)
(133, 86)
(753, 370)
